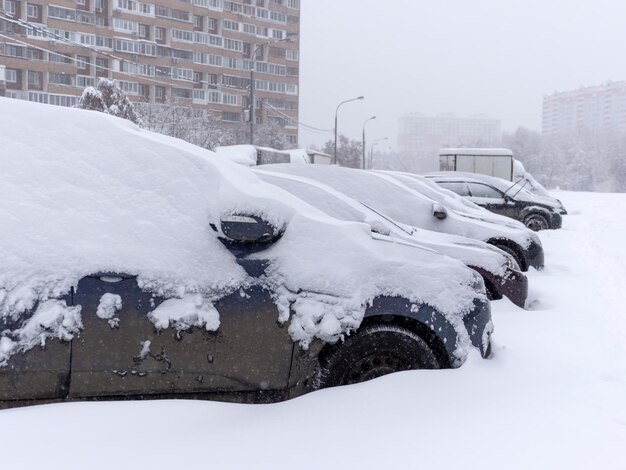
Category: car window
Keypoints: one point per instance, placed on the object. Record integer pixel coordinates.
(317, 197)
(459, 188)
(482, 190)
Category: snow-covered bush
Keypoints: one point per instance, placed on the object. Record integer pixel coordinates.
(107, 97)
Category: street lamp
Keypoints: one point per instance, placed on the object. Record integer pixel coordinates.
(287, 38)
(372, 150)
(336, 112)
(363, 159)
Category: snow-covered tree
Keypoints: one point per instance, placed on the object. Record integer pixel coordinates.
(349, 152)
(271, 134)
(196, 126)
(107, 97)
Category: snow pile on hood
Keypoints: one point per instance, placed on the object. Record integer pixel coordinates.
(409, 205)
(87, 193)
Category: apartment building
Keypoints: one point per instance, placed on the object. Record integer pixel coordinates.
(198, 53)
(587, 109)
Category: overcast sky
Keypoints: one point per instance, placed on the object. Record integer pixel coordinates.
(492, 57)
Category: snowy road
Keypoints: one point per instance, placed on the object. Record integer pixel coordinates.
(553, 397)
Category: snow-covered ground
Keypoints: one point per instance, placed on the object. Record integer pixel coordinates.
(553, 396)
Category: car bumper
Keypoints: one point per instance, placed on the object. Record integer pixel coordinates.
(513, 285)
(556, 221)
(479, 326)
(534, 256)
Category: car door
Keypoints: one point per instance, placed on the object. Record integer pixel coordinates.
(122, 353)
(41, 373)
(490, 198)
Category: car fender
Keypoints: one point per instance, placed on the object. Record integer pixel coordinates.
(426, 321)
(534, 209)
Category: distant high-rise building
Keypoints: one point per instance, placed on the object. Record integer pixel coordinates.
(423, 136)
(197, 52)
(595, 109)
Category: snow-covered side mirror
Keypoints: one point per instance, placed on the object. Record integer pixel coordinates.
(378, 226)
(439, 211)
(243, 228)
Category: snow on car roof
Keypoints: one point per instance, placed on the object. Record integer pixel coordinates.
(84, 192)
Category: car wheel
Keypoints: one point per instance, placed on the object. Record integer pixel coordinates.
(373, 352)
(536, 222)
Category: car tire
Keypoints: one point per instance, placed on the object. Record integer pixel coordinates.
(536, 222)
(373, 352)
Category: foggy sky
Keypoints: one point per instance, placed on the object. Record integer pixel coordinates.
(492, 57)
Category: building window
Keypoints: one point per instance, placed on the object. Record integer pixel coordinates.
(101, 64)
(144, 90)
(231, 25)
(82, 62)
(231, 117)
(35, 54)
(35, 79)
(60, 78)
(159, 92)
(34, 11)
(197, 21)
(182, 93)
(11, 75)
(9, 7)
(159, 33)
(212, 25)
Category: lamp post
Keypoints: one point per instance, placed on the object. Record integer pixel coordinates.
(336, 112)
(287, 38)
(372, 150)
(363, 159)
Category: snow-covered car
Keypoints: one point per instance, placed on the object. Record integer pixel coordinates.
(499, 270)
(137, 265)
(408, 202)
(504, 197)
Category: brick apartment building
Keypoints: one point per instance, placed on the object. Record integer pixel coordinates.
(196, 52)
(593, 109)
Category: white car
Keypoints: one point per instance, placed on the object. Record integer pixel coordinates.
(410, 204)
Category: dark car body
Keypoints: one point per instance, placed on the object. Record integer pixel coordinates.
(535, 212)
(251, 358)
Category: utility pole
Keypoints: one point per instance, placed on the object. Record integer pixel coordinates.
(336, 113)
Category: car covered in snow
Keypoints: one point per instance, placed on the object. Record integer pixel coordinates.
(504, 197)
(422, 204)
(499, 270)
(135, 265)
